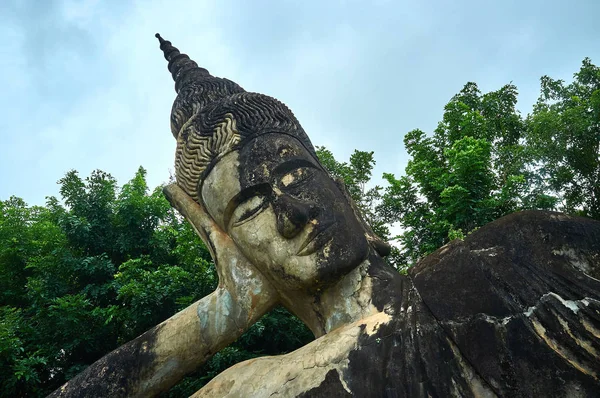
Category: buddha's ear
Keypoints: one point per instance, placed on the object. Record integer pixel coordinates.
(196, 215)
(228, 259)
(381, 247)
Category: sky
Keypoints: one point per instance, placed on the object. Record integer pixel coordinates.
(84, 86)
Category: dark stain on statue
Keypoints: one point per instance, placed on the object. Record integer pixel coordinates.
(386, 280)
(116, 374)
(331, 387)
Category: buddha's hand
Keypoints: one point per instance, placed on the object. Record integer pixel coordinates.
(237, 275)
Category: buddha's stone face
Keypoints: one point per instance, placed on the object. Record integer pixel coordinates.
(284, 212)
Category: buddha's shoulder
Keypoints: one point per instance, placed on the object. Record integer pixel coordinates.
(315, 369)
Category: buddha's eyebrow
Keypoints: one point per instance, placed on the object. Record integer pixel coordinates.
(260, 189)
(292, 164)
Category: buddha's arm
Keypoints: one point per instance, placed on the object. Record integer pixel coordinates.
(300, 372)
(158, 359)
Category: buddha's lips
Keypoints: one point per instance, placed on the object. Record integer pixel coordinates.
(315, 239)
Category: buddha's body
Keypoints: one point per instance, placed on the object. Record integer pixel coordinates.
(496, 315)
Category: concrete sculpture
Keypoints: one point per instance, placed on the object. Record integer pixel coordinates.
(513, 310)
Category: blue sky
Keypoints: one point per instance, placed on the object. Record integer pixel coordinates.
(84, 85)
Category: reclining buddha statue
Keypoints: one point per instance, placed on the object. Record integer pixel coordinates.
(512, 310)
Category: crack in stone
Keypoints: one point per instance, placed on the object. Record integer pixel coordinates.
(449, 337)
(287, 381)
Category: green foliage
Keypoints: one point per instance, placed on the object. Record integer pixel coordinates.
(24, 367)
(152, 293)
(564, 137)
(471, 171)
(484, 161)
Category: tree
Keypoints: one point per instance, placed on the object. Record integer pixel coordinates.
(27, 238)
(564, 137)
(471, 171)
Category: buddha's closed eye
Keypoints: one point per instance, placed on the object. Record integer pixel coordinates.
(249, 209)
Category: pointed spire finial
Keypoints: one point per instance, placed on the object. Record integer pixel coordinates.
(182, 68)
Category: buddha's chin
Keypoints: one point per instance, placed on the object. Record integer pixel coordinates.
(339, 257)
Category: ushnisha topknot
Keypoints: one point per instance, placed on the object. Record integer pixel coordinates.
(182, 68)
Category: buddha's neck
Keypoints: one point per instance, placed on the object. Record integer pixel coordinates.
(349, 300)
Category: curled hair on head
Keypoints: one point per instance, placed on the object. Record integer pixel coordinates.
(198, 94)
(195, 152)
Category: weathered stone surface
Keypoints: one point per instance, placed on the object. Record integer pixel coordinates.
(504, 313)
(522, 312)
(513, 310)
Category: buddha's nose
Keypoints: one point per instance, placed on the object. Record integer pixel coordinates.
(292, 215)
